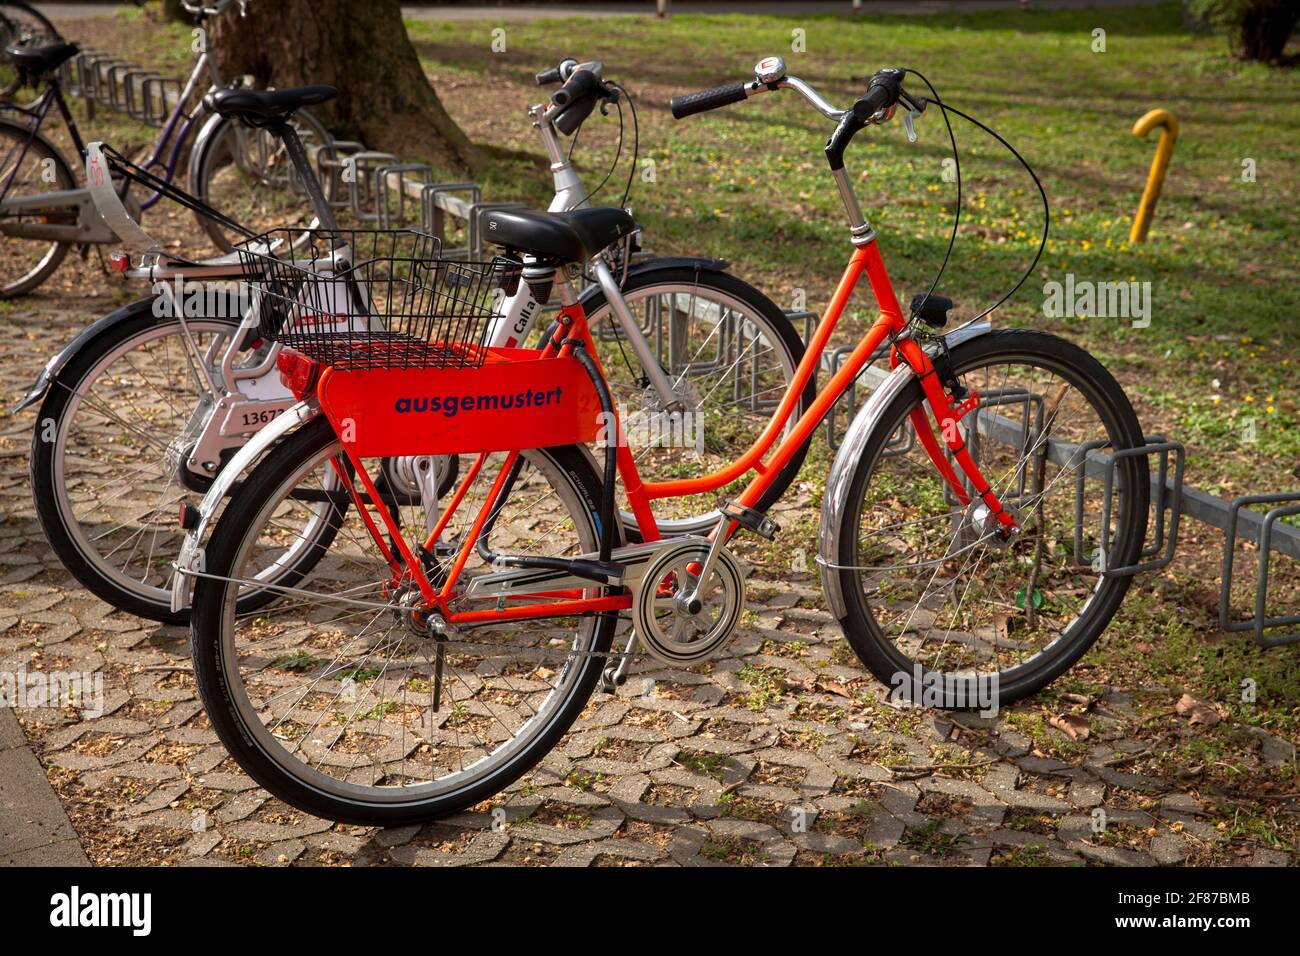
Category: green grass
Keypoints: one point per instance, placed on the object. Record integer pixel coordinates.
(750, 183)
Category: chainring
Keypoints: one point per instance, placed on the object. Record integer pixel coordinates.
(665, 627)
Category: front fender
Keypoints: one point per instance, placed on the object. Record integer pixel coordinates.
(64, 355)
(191, 559)
(836, 503)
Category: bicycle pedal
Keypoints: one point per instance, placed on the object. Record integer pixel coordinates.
(751, 518)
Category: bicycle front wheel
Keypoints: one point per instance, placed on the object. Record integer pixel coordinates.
(30, 169)
(938, 606)
(337, 700)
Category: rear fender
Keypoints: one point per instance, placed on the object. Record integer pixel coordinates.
(61, 358)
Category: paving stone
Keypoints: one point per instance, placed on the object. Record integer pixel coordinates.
(1275, 751)
(281, 854)
(31, 816)
(483, 848)
(1266, 857)
(1170, 848)
(1087, 793)
(1111, 855)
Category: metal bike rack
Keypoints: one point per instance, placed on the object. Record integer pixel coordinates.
(438, 200)
(101, 71)
(89, 78)
(408, 175)
(157, 92)
(1166, 496)
(1271, 536)
(70, 71)
(833, 361)
(365, 167)
(136, 106)
(118, 78)
(331, 160)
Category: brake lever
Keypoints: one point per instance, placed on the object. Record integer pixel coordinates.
(915, 106)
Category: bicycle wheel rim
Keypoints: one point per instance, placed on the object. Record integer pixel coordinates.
(486, 775)
(23, 185)
(767, 344)
(1093, 608)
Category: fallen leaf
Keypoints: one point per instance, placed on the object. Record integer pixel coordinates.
(833, 688)
(1196, 711)
(1073, 726)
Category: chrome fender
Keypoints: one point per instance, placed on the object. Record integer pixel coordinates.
(836, 503)
(191, 558)
(200, 147)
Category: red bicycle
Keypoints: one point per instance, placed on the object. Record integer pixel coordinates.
(443, 645)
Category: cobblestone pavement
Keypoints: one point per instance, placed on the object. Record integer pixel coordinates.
(784, 751)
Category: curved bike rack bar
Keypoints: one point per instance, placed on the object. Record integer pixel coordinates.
(1271, 536)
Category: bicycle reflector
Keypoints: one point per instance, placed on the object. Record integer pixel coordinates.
(119, 261)
(297, 372)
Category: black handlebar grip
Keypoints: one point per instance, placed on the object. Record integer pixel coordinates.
(574, 115)
(875, 100)
(581, 85)
(719, 96)
(547, 77)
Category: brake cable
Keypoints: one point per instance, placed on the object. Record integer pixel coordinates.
(1047, 216)
(636, 149)
(636, 139)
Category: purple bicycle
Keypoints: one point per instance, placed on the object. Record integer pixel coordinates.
(233, 168)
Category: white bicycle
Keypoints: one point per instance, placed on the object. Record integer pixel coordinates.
(151, 403)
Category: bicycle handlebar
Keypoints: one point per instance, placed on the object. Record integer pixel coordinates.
(581, 84)
(875, 106)
(558, 73)
(583, 88)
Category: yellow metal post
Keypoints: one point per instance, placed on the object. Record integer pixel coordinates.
(1159, 165)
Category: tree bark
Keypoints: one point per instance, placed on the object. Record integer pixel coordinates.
(385, 100)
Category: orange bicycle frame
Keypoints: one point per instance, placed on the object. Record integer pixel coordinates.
(768, 455)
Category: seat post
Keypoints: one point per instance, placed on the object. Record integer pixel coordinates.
(298, 156)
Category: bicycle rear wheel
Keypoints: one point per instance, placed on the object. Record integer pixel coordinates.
(246, 174)
(335, 699)
(730, 354)
(109, 451)
(937, 605)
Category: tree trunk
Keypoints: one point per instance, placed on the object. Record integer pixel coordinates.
(384, 99)
(1265, 27)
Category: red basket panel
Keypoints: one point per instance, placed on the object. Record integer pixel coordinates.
(514, 401)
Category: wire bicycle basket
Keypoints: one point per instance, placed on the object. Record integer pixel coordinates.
(374, 298)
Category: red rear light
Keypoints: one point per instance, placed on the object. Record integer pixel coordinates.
(119, 261)
(297, 372)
